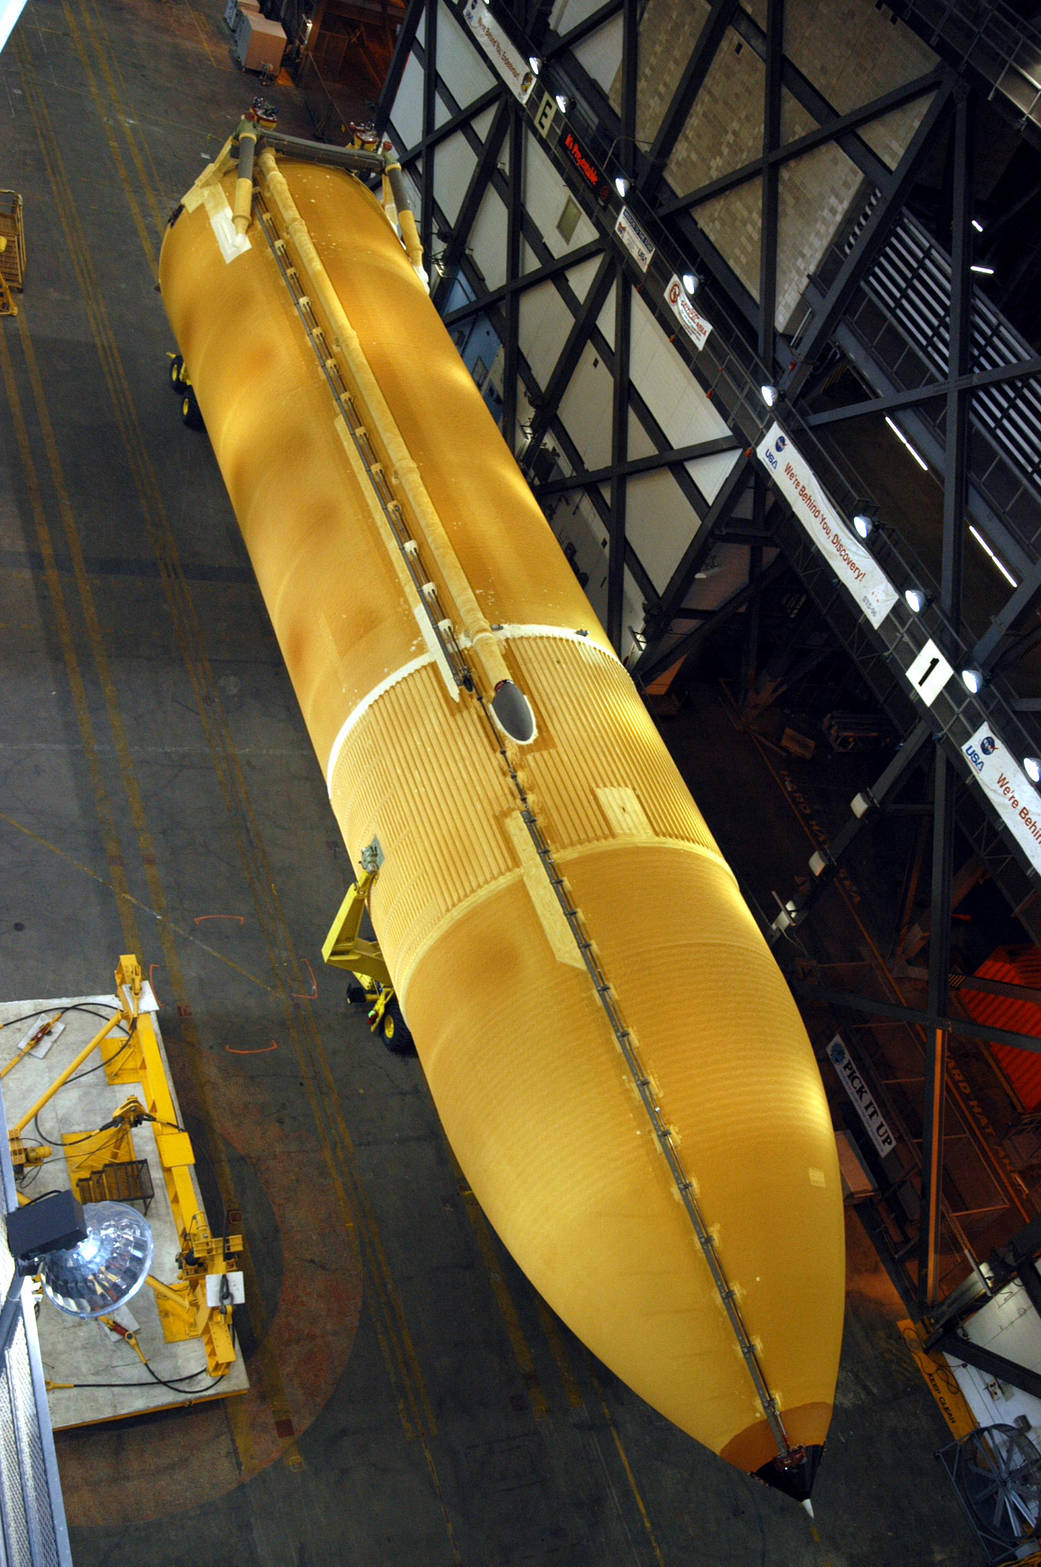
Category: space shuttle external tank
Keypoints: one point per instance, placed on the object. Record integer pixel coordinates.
(616, 1060)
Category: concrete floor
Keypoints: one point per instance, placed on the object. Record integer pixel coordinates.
(412, 1400)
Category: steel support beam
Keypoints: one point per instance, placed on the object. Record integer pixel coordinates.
(679, 584)
(972, 381)
(938, 1037)
(785, 153)
(770, 176)
(426, 206)
(402, 50)
(657, 659)
(993, 1365)
(654, 462)
(514, 231)
(470, 206)
(623, 312)
(894, 1012)
(581, 330)
(523, 282)
(956, 424)
(894, 188)
(674, 119)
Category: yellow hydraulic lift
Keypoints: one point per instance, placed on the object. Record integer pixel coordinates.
(346, 948)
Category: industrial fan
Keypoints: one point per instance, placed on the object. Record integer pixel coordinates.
(997, 1469)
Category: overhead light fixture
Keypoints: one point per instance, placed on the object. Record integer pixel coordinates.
(563, 103)
(865, 520)
(621, 185)
(535, 63)
(691, 282)
(769, 395)
(1032, 768)
(1000, 564)
(916, 599)
(987, 271)
(902, 438)
(977, 225)
(973, 678)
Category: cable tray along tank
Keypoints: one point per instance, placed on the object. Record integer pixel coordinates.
(621, 1071)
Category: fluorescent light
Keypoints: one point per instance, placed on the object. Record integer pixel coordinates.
(977, 225)
(981, 541)
(987, 271)
(902, 437)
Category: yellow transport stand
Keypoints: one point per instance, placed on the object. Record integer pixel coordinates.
(12, 250)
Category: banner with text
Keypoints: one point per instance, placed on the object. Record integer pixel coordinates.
(854, 566)
(511, 65)
(695, 325)
(1008, 789)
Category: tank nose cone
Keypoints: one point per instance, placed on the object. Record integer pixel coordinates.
(794, 1472)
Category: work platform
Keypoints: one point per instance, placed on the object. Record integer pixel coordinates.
(93, 1371)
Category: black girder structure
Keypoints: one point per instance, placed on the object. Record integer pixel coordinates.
(749, 347)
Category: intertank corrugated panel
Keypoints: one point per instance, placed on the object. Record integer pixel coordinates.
(534, 1093)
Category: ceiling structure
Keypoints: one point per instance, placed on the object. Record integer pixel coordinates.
(731, 275)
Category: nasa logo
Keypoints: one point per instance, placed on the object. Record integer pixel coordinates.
(780, 443)
(988, 745)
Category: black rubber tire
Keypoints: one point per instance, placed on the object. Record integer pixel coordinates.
(190, 411)
(395, 1031)
(176, 372)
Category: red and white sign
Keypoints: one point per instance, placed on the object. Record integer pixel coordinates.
(695, 325)
(511, 65)
(854, 566)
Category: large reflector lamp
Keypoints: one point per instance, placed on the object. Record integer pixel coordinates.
(106, 1268)
(90, 1258)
